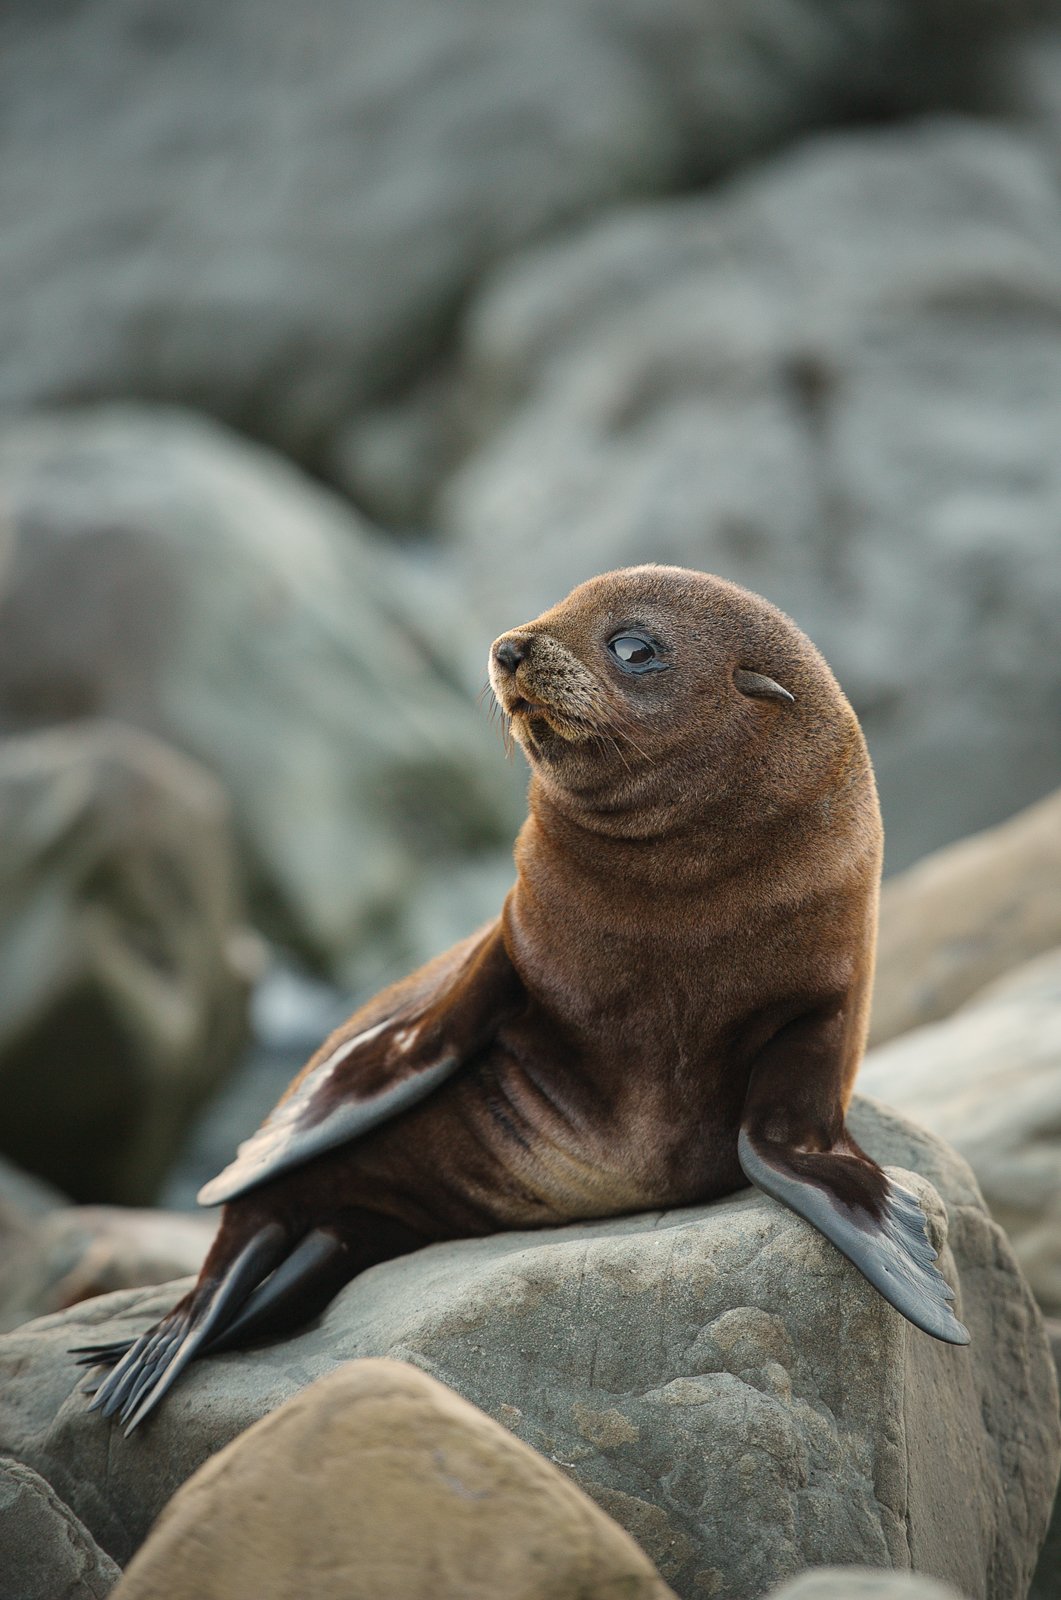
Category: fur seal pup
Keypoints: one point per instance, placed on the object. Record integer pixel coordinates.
(672, 1002)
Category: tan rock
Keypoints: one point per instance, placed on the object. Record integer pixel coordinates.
(988, 1079)
(964, 916)
(379, 1482)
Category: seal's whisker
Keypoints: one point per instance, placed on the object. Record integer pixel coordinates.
(500, 719)
(613, 741)
(621, 727)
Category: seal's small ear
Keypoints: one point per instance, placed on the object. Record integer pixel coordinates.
(760, 687)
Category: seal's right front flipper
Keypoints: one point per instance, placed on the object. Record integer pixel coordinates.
(390, 1056)
(876, 1223)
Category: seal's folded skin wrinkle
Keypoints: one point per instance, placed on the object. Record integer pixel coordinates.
(672, 1002)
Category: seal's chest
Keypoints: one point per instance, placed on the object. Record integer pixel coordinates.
(608, 1137)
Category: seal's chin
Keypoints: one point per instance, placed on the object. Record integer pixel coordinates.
(542, 727)
(545, 720)
(539, 726)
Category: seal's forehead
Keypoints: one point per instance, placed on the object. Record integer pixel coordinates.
(678, 591)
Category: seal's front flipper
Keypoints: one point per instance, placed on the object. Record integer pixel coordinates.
(391, 1055)
(871, 1219)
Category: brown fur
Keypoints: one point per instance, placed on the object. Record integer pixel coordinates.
(697, 875)
(686, 956)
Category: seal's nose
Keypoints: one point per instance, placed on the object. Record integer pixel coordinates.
(508, 653)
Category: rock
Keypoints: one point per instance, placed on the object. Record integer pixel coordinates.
(24, 1198)
(859, 1583)
(248, 617)
(989, 1081)
(24, 1202)
(718, 1379)
(965, 915)
(378, 1482)
(124, 966)
(305, 200)
(47, 1553)
(77, 1252)
(1023, 80)
(837, 380)
(1046, 1584)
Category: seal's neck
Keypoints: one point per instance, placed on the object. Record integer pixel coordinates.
(703, 832)
(594, 918)
(577, 873)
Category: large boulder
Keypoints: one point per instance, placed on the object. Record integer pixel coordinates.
(155, 568)
(836, 380)
(720, 1380)
(965, 915)
(274, 212)
(124, 964)
(75, 1252)
(1046, 1584)
(988, 1079)
(24, 1199)
(47, 1553)
(378, 1483)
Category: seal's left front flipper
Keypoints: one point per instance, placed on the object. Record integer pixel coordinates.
(876, 1223)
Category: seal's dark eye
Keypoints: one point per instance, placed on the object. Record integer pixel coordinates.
(632, 651)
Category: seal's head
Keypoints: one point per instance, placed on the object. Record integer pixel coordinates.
(662, 685)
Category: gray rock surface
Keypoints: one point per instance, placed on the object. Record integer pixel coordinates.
(155, 568)
(1046, 1584)
(965, 915)
(24, 1198)
(274, 213)
(75, 1252)
(719, 1380)
(1023, 80)
(988, 1080)
(379, 1483)
(45, 1552)
(836, 380)
(124, 963)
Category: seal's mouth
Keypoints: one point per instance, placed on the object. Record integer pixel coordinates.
(533, 720)
(514, 702)
(536, 717)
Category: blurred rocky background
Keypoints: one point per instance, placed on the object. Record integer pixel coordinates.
(337, 339)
